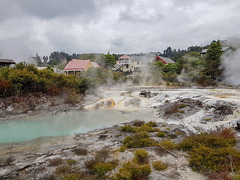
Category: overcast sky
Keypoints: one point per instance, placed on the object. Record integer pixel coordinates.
(115, 26)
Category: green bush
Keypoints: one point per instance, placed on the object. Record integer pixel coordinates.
(151, 124)
(140, 139)
(122, 148)
(140, 156)
(213, 152)
(128, 128)
(97, 166)
(203, 158)
(221, 139)
(149, 127)
(24, 78)
(133, 171)
(167, 145)
(100, 169)
(161, 134)
(159, 165)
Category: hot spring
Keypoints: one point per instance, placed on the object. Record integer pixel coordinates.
(29, 128)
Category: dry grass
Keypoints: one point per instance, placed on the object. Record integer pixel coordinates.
(55, 162)
(80, 151)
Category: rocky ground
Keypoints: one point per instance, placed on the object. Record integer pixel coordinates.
(179, 113)
(40, 165)
(36, 104)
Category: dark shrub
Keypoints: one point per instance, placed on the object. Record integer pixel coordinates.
(140, 156)
(131, 170)
(140, 139)
(80, 151)
(159, 165)
(55, 162)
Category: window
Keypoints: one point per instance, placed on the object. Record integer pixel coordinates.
(127, 66)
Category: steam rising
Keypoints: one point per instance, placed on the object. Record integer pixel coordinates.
(231, 62)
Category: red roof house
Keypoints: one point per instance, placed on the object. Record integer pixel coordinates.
(94, 64)
(165, 60)
(75, 66)
(124, 56)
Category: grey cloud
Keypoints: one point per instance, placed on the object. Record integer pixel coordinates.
(118, 42)
(48, 9)
(127, 16)
(28, 26)
(19, 48)
(8, 10)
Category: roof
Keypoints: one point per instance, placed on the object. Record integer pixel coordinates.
(204, 51)
(76, 64)
(144, 58)
(8, 61)
(124, 56)
(165, 60)
(95, 64)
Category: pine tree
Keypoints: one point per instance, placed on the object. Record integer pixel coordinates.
(212, 66)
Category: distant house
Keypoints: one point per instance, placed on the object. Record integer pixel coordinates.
(6, 62)
(142, 60)
(204, 51)
(94, 64)
(133, 63)
(123, 64)
(138, 62)
(76, 66)
(165, 60)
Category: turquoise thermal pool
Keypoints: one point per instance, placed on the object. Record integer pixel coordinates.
(29, 128)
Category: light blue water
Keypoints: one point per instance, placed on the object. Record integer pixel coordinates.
(25, 129)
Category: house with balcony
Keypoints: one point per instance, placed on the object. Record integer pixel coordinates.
(137, 62)
(124, 64)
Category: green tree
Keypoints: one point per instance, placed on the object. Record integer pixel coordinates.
(90, 56)
(212, 66)
(109, 60)
(191, 65)
(50, 68)
(38, 60)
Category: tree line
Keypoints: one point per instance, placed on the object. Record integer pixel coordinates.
(24, 78)
(60, 59)
(191, 66)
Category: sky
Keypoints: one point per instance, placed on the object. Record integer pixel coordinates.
(28, 27)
